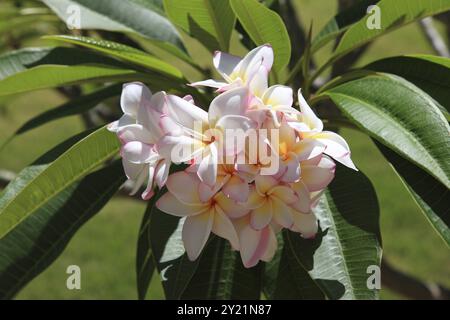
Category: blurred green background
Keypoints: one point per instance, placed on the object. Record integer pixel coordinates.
(105, 247)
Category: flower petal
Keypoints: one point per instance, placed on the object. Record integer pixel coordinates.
(318, 177)
(195, 234)
(223, 227)
(184, 186)
(236, 189)
(306, 224)
(262, 55)
(261, 216)
(304, 201)
(253, 244)
(133, 95)
(308, 148)
(135, 132)
(185, 113)
(271, 247)
(231, 102)
(168, 203)
(336, 147)
(308, 116)
(284, 193)
(207, 170)
(259, 83)
(209, 83)
(225, 63)
(229, 206)
(278, 95)
(162, 172)
(138, 152)
(264, 183)
(281, 213)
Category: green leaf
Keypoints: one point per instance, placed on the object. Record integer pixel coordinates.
(83, 157)
(72, 107)
(429, 73)
(264, 26)
(173, 265)
(34, 243)
(401, 116)
(145, 263)
(394, 14)
(284, 279)
(122, 52)
(348, 241)
(23, 59)
(222, 276)
(50, 76)
(209, 21)
(430, 195)
(341, 22)
(140, 16)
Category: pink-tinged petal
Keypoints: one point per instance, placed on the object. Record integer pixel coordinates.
(287, 135)
(271, 247)
(225, 63)
(223, 227)
(178, 148)
(247, 172)
(299, 126)
(260, 56)
(150, 119)
(284, 193)
(319, 177)
(168, 203)
(308, 148)
(230, 207)
(148, 192)
(232, 102)
(162, 172)
(185, 113)
(207, 170)
(135, 132)
(265, 183)
(336, 147)
(139, 178)
(253, 244)
(138, 152)
(195, 234)
(304, 202)
(254, 199)
(306, 224)
(209, 83)
(315, 197)
(206, 192)
(184, 186)
(278, 95)
(169, 126)
(236, 189)
(259, 83)
(189, 99)
(158, 102)
(281, 213)
(308, 116)
(261, 216)
(292, 173)
(132, 170)
(133, 95)
(125, 120)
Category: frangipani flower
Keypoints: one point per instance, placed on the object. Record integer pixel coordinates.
(202, 217)
(308, 125)
(205, 136)
(236, 71)
(139, 130)
(245, 202)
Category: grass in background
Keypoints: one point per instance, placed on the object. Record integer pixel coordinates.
(105, 247)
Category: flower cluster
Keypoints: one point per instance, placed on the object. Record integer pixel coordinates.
(256, 164)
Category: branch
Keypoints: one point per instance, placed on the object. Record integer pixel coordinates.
(411, 287)
(434, 38)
